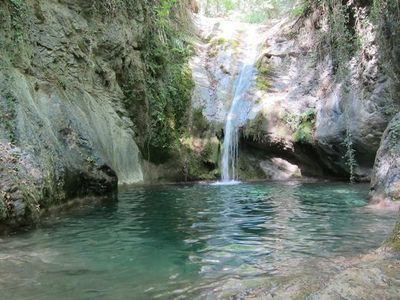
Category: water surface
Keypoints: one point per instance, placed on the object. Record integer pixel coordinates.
(184, 241)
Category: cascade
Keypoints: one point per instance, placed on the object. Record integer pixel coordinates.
(236, 114)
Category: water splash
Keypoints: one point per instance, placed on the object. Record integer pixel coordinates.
(236, 114)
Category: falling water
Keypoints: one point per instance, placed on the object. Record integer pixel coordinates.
(235, 116)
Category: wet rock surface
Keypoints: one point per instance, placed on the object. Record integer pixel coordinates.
(64, 131)
(327, 124)
(301, 108)
(385, 184)
(373, 276)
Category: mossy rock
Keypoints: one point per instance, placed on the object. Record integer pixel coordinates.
(256, 128)
(211, 151)
(304, 133)
(394, 240)
(201, 158)
(198, 169)
(3, 210)
(219, 41)
(264, 74)
(249, 165)
(302, 125)
(200, 125)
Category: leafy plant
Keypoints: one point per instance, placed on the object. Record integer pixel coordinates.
(302, 9)
(349, 156)
(386, 16)
(255, 128)
(199, 122)
(160, 93)
(339, 39)
(17, 3)
(302, 125)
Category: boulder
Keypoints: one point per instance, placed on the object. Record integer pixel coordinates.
(385, 183)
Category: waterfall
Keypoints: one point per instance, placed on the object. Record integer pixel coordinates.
(236, 114)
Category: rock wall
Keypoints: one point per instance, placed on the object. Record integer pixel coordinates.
(385, 184)
(323, 107)
(71, 100)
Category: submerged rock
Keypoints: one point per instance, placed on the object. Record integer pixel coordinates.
(372, 276)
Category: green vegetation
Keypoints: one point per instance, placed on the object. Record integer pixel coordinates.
(264, 74)
(249, 164)
(340, 38)
(386, 16)
(18, 22)
(218, 41)
(252, 11)
(394, 135)
(8, 114)
(3, 208)
(305, 128)
(219, 6)
(255, 17)
(394, 239)
(302, 125)
(200, 124)
(255, 128)
(302, 9)
(349, 156)
(201, 158)
(158, 96)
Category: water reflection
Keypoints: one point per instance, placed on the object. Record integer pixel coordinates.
(167, 241)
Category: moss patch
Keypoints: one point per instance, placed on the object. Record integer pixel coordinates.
(394, 239)
(158, 93)
(200, 125)
(302, 125)
(255, 128)
(264, 74)
(249, 164)
(201, 158)
(219, 41)
(302, 9)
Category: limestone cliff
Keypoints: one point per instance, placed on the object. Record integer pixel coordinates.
(385, 185)
(327, 87)
(74, 97)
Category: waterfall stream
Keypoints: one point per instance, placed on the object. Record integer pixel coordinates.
(236, 114)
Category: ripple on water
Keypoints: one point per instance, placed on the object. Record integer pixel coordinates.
(173, 241)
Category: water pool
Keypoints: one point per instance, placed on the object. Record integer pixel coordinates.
(185, 241)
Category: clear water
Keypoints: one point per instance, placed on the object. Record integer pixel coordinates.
(172, 241)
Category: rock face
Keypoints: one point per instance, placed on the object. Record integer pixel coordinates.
(323, 112)
(319, 106)
(215, 68)
(280, 169)
(66, 129)
(219, 58)
(385, 184)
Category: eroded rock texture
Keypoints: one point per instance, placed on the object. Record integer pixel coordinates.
(65, 130)
(320, 105)
(385, 184)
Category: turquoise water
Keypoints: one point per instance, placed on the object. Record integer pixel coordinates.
(185, 241)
